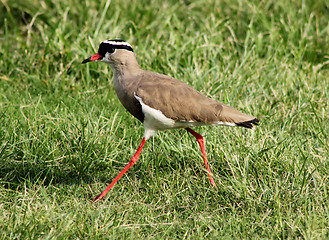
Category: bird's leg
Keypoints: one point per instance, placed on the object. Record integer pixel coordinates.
(133, 160)
(200, 140)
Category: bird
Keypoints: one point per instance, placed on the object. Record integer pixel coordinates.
(161, 102)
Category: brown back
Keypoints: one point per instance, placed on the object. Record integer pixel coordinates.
(178, 101)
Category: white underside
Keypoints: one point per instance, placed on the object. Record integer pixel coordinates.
(155, 120)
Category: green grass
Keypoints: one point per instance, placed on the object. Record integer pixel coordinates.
(64, 135)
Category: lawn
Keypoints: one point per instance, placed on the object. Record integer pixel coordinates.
(64, 134)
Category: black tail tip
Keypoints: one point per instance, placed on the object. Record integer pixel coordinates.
(248, 124)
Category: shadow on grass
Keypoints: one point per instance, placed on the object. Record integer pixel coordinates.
(15, 170)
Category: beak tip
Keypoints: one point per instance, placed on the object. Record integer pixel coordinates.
(86, 60)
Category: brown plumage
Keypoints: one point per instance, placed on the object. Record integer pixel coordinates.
(180, 102)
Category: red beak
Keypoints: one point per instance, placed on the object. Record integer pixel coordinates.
(93, 58)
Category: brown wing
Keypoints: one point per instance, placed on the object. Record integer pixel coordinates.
(178, 101)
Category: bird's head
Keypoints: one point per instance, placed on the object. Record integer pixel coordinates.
(114, 52)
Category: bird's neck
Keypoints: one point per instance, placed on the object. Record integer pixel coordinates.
(126, 68)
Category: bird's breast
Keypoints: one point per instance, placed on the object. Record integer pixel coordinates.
(125, 92)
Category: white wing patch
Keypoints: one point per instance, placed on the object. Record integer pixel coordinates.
(155, 120)
(225, 124)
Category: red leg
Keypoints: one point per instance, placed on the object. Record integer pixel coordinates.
(133, 160)
(200, 140)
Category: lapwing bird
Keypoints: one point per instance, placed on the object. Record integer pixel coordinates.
(162, 102)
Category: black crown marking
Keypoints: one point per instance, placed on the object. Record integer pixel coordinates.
(109, 46)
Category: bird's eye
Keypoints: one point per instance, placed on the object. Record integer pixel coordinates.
(111, 50)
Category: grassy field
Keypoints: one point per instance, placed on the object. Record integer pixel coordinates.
(64, 135)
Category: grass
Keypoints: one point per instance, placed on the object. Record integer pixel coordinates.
(64, 134)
